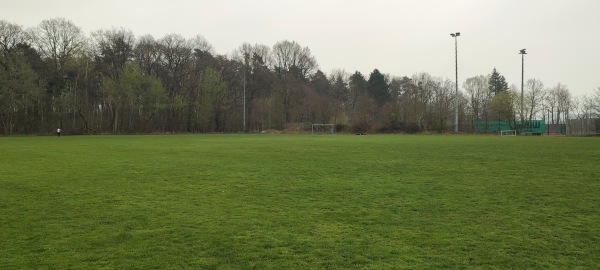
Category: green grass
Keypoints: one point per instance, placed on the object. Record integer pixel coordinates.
(299, 202)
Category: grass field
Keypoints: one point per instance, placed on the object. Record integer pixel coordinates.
(299, 202)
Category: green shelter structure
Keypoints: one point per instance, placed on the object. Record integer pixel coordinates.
(531, 127)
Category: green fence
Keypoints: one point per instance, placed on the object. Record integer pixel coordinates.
(532, 126)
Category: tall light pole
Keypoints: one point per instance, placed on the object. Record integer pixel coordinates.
(455, 35)
(244, 101)
(245, 69)
(522, 53)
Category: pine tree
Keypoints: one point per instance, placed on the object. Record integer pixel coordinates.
(378, 87)
(497, 83)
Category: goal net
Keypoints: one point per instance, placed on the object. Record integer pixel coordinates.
(323, 129)
(508, 133)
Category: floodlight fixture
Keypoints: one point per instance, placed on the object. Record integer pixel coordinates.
(522, 52)
(455, 35)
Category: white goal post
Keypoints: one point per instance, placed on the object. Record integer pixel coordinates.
(323, 129)
(508, 133)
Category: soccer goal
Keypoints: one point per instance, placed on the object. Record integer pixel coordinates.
(323, 128)
(508, 133)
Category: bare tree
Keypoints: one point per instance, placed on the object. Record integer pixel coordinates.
(399, 86)
(479, 95)
(595, 100)
(147, 53)
(176, 57)
(199, 44)
(563, 103)
(558, 100)
(11, 35)
(421, 99)
(57, 40)
(583, 107)
(262, 54)
(534, 95)
(551, 103)
(290, 57)
(443, 100)
(174, 71)
(246, 52)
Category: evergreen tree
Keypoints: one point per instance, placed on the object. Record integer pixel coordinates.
(497, 83)
(320, 83)
(378, 87)
(358, 83)
(339, 88)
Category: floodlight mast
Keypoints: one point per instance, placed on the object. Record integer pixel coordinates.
(455, 35)
(245, 70)
(522, 53)
(244, 114)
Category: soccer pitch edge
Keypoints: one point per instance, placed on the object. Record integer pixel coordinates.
(299, 201)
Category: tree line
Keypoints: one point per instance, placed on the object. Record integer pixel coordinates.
(110, 81)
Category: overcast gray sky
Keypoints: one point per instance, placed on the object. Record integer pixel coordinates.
(399, 38)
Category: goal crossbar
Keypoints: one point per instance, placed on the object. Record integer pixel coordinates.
(508, 132)
(323, 128)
